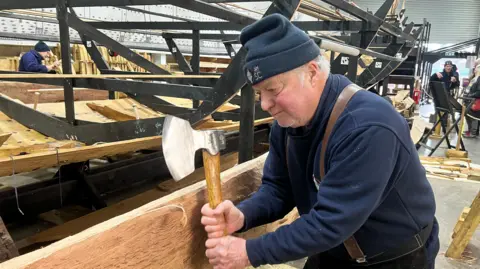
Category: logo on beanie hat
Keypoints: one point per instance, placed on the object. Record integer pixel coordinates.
(254, 75)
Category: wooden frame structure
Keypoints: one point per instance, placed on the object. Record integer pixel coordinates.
(467, 223)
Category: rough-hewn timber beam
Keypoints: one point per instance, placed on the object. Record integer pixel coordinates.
(165, 233)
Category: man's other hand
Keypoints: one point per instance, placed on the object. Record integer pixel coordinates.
(226, 217)
(439, 75)
(227, 252)
(453, 79)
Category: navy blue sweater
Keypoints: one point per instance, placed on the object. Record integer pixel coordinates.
(447, 79)
(375, 186)
(32, 62)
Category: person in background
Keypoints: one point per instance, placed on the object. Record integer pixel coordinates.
(32, 60)
(449, 76)
(473, 112)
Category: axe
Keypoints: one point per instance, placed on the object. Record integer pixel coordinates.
(179, 144)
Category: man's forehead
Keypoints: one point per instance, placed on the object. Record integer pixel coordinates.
(268, 83)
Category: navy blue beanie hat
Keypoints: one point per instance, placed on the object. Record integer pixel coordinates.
(41, 47)
(274, 46)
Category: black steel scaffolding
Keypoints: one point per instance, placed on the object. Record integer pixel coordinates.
(363, 31)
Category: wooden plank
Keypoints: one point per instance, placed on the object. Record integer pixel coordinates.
(466, 231)
(460, 221)
(8, 250)
(49, 159)
(21, 135)
(110, 112)
(57, 90)
(39, 160)
(456, 153)
(4, 137)
(165, 188)
(84, 112)
(165, 233)
(28, 149)
(236, 126)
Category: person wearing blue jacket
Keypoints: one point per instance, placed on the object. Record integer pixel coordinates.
(449, 76)
(374, 189)
(32, 60)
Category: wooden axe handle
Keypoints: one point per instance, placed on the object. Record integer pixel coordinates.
(459, 138)
(211, 164)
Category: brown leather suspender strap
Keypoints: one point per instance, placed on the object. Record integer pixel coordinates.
(347, 93)
(351, 243)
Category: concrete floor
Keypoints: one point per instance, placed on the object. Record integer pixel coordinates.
(451, 198)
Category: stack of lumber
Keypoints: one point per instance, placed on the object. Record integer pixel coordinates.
(404, 104)
(165, 233)
(85, 65)
(9, 63)
(458, 169)
(207, 64)
(82, 62)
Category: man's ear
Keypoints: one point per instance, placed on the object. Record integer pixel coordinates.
(313, 72)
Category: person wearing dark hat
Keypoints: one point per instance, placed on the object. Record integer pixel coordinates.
(32, 60)
(363, 198)
(449, 76)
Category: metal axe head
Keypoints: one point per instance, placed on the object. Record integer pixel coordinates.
(180, 142)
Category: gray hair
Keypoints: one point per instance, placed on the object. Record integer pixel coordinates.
(323, 64)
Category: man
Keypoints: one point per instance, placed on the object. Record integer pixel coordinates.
(449, 76)
(32, 60)
(473, 110)
(374, 187)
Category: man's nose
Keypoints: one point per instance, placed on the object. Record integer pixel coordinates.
(266, 102)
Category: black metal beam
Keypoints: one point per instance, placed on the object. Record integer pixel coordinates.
(391, 66)
(146, 88)
(202, 36)
(156, 13)
(378, 65)
(463, 44)
(205, 82)
(166, 25)
(370, 18)
(85, 29)
(89, 133)
(247, 114)
(193, 5)
(211, 10)
(477, 48)
(198, 81)
(383, 10)
(230, 50)
(178, 55)
(66, 60)
(346, 26)
(54, 21)
(195, 60)
(97, 57)
(197, 6)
